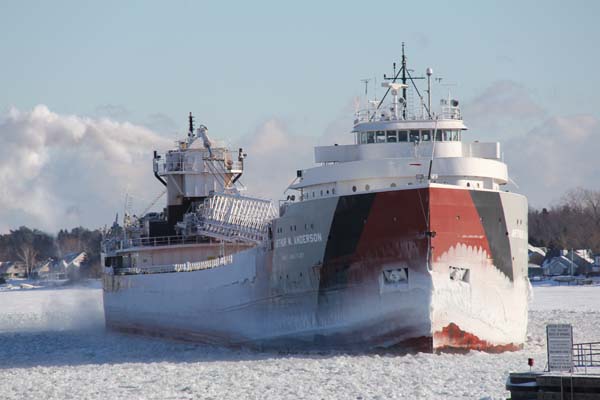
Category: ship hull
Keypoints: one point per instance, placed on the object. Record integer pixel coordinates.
(385, 269)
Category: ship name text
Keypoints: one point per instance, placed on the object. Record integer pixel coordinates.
(297, 240)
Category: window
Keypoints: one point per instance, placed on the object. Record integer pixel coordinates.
(354, 188)
(426, 136)
(393, 185)
(447, 135)
(367, 187)
(455, 136)
(403, 136)
(362, 137)
(392, 136)
(370, 137)
(380, 136)
(414, 136)
(439, 136)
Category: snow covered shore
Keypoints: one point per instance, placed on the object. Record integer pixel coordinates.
(53, 345)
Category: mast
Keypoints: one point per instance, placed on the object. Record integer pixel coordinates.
(191, 126)
(403, 69)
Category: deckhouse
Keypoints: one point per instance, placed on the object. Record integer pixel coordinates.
(402, 146)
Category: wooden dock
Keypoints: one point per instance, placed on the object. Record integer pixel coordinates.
(553, 386)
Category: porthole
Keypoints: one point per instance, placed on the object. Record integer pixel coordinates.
(328, 192)
(354, 188)
(333, 191)
(321, 193)
(367, 187)
(468, 184)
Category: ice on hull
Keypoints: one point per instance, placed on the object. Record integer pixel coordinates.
(357, 272)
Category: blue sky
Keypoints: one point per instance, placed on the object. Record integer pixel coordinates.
(236, 64)
(285, 70)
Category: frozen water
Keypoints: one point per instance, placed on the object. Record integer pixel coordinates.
(53, 345)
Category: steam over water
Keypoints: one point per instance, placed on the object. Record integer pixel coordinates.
(53, 345)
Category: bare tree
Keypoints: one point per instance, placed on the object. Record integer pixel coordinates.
(28, 254)
(574, 222)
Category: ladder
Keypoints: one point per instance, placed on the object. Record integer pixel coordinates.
(235, 218)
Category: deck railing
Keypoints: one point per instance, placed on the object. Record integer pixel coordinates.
(160, 241)
(586, 355)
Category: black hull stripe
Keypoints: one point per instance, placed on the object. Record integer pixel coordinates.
(489, 208)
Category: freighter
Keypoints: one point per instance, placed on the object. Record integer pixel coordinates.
(402, 239)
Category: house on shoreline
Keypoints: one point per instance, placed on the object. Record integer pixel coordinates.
(12, 269)
(50, 269)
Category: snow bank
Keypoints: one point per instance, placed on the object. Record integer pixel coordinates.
(53, 346)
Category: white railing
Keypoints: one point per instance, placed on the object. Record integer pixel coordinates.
(194, 161)
(159, 241)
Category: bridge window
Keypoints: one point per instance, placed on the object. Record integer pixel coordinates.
(380, 136)
(392, 136)
(413, 136)
(403, 136)
(426, 135)
(371, 137)
(439, 135)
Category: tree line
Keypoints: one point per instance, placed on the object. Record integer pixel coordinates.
(572, 223)
(32, 246)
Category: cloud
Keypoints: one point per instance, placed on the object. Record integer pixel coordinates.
(274, 155)
(275, 152)
(557, 155)
(505, 108)
(59, 171)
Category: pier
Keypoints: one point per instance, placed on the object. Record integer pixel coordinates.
(578, 379)
(553, 386)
